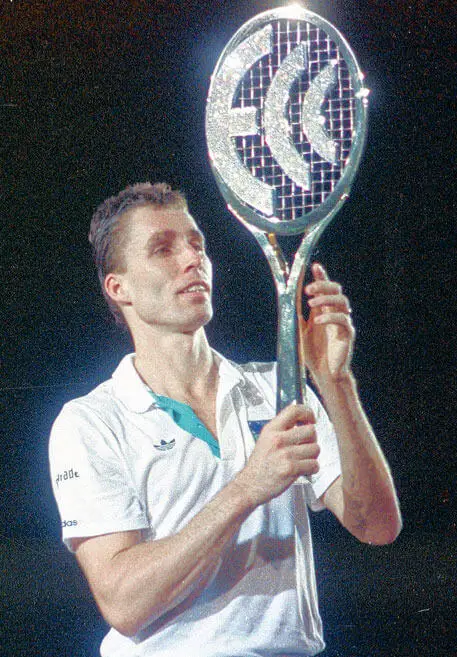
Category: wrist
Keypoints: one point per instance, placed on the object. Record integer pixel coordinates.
(240, 495)
(249, 495)
(340, 396)
(332, 383)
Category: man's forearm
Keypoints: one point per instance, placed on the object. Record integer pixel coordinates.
(370, 507)
(135, 582)
(145, 580)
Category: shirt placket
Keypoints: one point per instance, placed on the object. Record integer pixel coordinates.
(235, 439)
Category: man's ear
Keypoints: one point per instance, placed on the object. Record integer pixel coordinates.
(116, 288)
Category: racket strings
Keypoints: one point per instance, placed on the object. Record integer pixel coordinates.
(337, 112)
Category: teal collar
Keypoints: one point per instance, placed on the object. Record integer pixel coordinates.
(185, 418)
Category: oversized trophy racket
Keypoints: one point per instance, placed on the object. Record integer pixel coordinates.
(285, 126)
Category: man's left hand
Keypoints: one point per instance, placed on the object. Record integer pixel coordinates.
(327, 337)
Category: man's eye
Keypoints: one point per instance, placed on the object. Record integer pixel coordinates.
(162, 250)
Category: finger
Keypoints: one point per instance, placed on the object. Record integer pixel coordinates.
(303, 460)
(341, 319)
(323, 287)
(309, 467)
(334, 301)
(301, 434)
(318, 271)
(304, 452)
(292, 415)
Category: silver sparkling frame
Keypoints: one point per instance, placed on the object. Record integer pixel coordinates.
(249, 198)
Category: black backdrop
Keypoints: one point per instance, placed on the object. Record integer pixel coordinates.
(95, 95)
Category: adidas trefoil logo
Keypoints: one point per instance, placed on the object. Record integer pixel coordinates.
(164, 446)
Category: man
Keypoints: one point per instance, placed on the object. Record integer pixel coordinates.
(192, 536)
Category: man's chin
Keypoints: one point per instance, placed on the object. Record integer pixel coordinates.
(196, 321)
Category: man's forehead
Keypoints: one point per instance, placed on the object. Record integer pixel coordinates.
(151, 220)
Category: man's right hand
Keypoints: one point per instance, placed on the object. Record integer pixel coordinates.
(286, 449)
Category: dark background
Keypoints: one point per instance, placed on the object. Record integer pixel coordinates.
(95, 95)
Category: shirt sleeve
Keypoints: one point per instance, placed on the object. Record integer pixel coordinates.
(90, 478)
(329, 457)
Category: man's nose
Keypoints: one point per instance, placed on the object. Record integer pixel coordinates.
(192, 257)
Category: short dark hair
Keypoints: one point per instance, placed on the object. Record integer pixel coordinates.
(107, 235)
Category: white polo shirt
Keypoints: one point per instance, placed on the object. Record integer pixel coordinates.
(119, 463)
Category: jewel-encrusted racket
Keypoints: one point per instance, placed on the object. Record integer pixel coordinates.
(285, 125)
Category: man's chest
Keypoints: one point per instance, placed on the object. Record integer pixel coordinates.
(205, 411)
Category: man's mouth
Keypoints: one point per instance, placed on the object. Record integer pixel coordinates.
(195, 287)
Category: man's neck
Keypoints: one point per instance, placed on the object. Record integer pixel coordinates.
(180, 366)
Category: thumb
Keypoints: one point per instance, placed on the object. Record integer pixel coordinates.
(318, 271)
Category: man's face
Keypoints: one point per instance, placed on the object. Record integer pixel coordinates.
(168, 276)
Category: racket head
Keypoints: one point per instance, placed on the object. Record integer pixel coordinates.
(286, 120)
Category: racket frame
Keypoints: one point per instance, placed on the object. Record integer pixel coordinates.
(292, 375)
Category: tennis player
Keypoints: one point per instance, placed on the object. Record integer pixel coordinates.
(175, 478)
